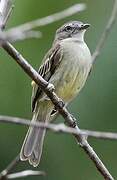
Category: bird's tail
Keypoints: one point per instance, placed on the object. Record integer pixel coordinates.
(33, 142)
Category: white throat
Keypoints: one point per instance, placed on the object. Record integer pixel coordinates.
(79, 36)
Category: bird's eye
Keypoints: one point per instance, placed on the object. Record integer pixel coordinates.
(68, 28)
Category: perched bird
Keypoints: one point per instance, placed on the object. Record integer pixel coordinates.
(66, 65)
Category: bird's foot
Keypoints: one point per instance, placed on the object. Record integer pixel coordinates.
(50, 87)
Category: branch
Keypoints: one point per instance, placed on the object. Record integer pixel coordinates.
(55, 128)
(58, 128)
(13, 36)
(106, 32)
(5, 10)
(5, 173)
(9, 167)
(25, 31)
(25, 174)
(50, 19)
(100, 135)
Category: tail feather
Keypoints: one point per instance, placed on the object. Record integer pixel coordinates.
(37, 152)
(33, 142)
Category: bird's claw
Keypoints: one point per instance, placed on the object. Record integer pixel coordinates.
(50, 87)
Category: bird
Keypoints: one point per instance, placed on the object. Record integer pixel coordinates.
(66, 65)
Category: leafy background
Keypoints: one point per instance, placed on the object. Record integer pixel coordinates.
(95, 107)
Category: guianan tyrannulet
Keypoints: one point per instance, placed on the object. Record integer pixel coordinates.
(66, 65)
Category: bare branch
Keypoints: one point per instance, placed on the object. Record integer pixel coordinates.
(8, 15)
(5, 173)
(55, 128)
(9, 167)
(100, 135)
(59, 128)
(25, 31)
(25, 174)
(50, 19)
(106, 32)
(5, 6)
(18, 36)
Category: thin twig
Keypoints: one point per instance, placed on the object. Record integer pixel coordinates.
(25, 31)
(58, 128)
(18, 36)
(25, 174)
(51, 18)
(5, 174)
(7, 16)
(100, 135)
(9, 168)
(5, 6)
(106, 32)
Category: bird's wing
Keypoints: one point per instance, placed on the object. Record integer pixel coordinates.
(46, 70)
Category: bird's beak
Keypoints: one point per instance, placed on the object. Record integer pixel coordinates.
(84, 26)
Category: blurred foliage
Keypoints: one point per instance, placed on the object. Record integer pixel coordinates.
(95, 107)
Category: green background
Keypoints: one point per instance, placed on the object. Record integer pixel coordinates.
(95, 107)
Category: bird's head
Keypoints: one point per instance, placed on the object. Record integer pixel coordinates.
(73, 29)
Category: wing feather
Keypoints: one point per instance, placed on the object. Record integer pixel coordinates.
(49, 64)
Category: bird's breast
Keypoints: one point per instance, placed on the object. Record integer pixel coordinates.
(73, 70)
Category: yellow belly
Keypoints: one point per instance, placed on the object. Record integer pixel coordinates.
(72, 72)
(70, 86)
